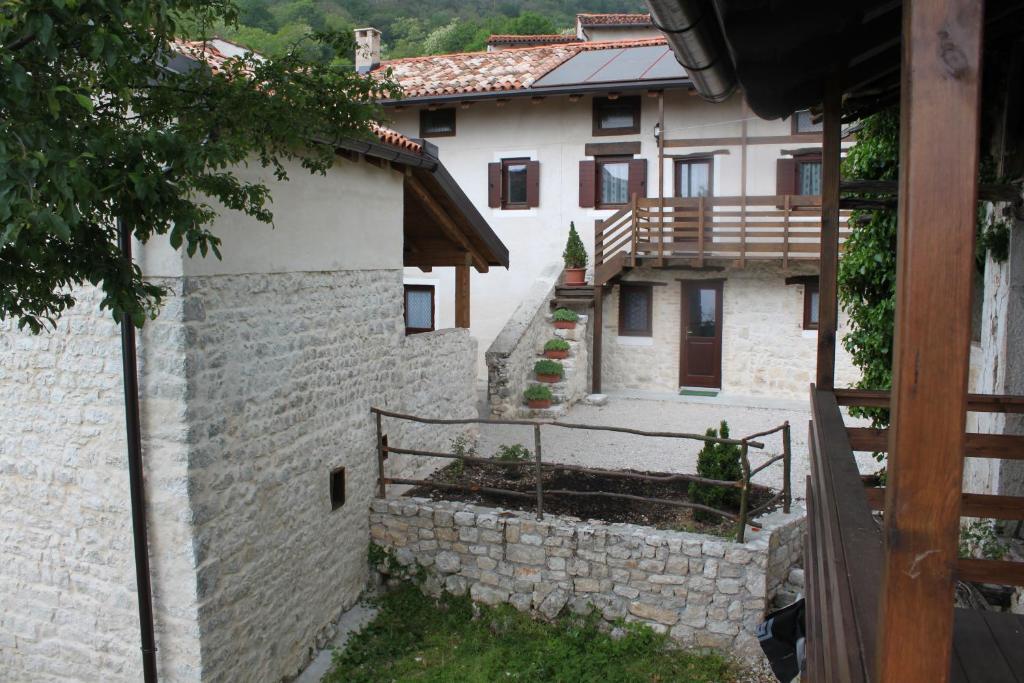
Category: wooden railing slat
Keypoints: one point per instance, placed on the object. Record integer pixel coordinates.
(1002, 446)
(981, 403)
(1002, 572)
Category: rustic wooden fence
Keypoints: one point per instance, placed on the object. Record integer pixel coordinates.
(744, 484)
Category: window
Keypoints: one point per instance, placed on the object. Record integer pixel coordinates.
(693, 178)
(812, 300)
(612, 182)
(808, 174)
(437, 123)
(635, 310)
(419, 308)
(803, 123)
(619, 116)
(514, 184)
(337, 488)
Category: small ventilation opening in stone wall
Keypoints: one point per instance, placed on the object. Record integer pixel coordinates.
(337, 488)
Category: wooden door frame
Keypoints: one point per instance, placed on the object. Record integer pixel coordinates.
(684, 315)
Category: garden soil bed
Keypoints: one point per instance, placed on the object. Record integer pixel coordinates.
(614, 510)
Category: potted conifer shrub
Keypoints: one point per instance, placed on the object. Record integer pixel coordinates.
(575, 257)
(549, 371)
(565, 318)
(556, 349)
(538, 396)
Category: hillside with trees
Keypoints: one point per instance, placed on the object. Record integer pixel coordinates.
(409, 28)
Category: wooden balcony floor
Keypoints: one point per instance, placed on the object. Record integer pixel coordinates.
(988, 647)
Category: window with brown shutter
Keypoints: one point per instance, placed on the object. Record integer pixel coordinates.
(812, 300)
(612, 181)
(419, 308)
(513, 184)
(785, 177)
(532, 183)
(638, 178)
(588, 176)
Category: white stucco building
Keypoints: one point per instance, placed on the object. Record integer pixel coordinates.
(259, 447)
(548, 135)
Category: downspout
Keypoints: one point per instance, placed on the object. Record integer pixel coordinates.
(133, 431)
(692, 30)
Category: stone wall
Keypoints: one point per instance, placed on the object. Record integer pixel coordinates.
(254, 388)
(703, 590)
(511, 356)
(765, 350)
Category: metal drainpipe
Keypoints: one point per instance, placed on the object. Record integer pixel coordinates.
(691, 28)
(133, 431)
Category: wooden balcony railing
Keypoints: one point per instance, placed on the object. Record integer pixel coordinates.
(776, 227)
(845, 550)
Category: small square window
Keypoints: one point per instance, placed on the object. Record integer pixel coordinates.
(612, 182)
(514, 181)
(619, 116)
(437, 123)
(419, 308)
(337, 488)
(803, 122)
(635, 304)
(812, 303)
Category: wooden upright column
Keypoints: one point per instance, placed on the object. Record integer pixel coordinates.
(941, 76)
(598, 322)
(462, 296)
(828, 306)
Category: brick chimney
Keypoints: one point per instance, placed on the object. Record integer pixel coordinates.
(367, 49)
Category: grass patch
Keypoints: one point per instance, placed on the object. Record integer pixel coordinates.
(415, 638)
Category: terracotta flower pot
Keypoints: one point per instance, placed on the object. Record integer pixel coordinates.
(575, 276)
(556, 355)
(536, 405)
(550, 379)
(565, 324)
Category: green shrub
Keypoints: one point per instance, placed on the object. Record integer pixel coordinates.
(549, 367)
(575, 254)
(980, 539)
(537, 392)
(514, 453)
(556, 345)
(565, 315)
(717, 461)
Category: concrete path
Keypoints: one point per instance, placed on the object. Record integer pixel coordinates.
(667, 412)
(350, 623)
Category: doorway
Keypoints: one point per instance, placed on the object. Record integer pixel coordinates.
(700, 349)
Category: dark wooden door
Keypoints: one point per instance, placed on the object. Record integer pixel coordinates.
(700, 361)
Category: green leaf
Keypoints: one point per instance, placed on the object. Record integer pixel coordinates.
(85, 101)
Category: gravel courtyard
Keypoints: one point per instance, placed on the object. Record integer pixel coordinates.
(668, 413)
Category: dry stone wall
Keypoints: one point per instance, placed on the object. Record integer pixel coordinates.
(702, 590)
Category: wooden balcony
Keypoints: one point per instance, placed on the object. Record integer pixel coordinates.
(673, 231)
(845, 552)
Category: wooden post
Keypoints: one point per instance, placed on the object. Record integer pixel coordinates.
(595, 362)
(787, 468)
(700, 231)
(661, 179)
(462, 296)
(827, 302)
(744, 494)
(381, 490)
(941, 75)
(635, 225)
(785, 232)
(540, 483)
(743, 182)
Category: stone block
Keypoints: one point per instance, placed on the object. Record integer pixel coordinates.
(553, 603)
(488, 595)
(525, 554)
(668, 617)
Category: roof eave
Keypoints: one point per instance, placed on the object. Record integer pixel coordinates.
(579, 89)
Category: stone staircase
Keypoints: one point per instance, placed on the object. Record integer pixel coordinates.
(573, 296)
(573, 385)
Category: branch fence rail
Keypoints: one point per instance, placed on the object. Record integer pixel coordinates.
(539, 466)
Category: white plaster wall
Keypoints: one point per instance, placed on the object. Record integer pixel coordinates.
(597, 33)
(554, 132)
(765, 350)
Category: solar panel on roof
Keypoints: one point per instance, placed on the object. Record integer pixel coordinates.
(612, 66)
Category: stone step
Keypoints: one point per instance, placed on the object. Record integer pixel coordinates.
(552, 413)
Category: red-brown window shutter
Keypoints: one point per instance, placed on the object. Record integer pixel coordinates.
(533, 183)
(494, 185)
(588, 176)
(637, 178)
(785, 176)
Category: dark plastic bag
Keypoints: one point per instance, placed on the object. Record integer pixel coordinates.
(781, 635)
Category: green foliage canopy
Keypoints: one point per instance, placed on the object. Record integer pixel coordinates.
(719, 461)
(94, 129)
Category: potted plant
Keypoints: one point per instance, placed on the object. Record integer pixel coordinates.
(565, 319)
(575, 257)
(556, 349)
(538, 396)
(549, 371)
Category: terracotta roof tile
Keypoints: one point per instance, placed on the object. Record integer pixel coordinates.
(498, 71)
(547, 38)
(620, 19)
(396, 139)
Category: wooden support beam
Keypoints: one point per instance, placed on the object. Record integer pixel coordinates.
(828, 306)
(939, 114)
(446, 222)
(595, 362)
(462, 296)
